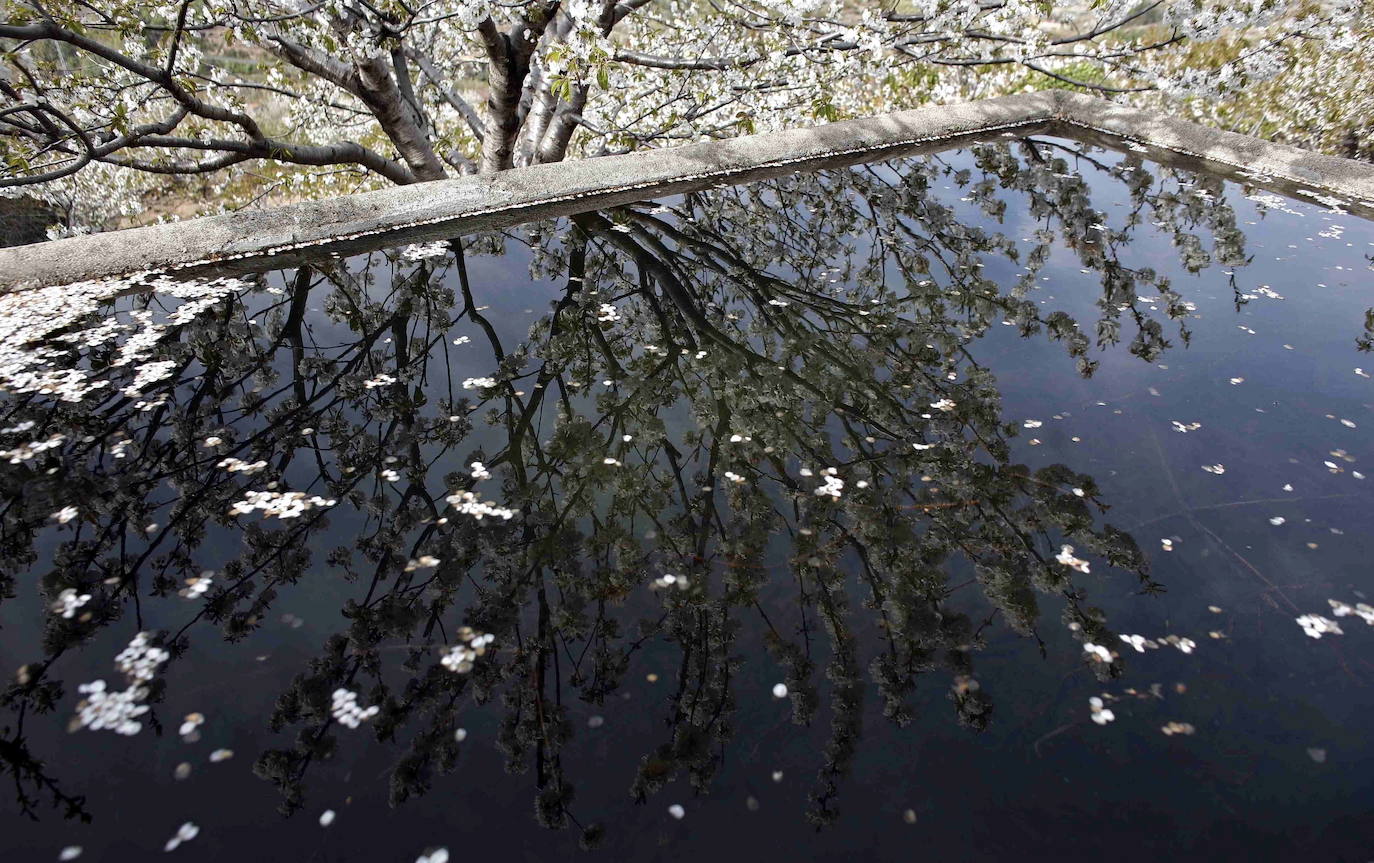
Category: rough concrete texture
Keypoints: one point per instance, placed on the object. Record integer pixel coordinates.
(449, 208)
(1256, 160)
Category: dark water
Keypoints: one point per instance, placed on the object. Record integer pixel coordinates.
(670, 385)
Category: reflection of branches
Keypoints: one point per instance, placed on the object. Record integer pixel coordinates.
(685, 432)
(31, 779)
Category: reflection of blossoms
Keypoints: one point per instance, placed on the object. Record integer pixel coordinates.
(421, 251)
(1363, 611)
(925, 499)
(26, 452)
(282, 504)
(670, 580)
(1316, 626)
(68, 601)
(234, 465)
(104, 710)
(1139, 642)
(1185, 645)
(346, 709)
(424, 561)
(1066, 557)
(34, 322)
(833, 484)
(460, 657)
(140, 659)
(468, 503)
(1100, 713)
(1097, 651)
(150, 373)
(197, 586)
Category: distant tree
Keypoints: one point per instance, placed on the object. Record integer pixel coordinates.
(95, 98)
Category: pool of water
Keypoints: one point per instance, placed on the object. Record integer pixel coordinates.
(1007, 503)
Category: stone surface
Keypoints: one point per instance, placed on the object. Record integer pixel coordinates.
(447, 208)
(1262, 162)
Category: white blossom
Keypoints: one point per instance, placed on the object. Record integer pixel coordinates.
(459, 658)
(1097, 652)
(185, 833)
(1315, 626)
(1066, 557)
(1100, 713)
(281, 504)
(345, 708)
(1362, 610)
(469, 503)
(68, 601)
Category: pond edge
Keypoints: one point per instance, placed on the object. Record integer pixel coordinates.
(310, 230)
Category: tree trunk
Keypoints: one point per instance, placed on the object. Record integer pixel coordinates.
(398, 119)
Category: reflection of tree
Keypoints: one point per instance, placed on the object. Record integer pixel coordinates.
(705, 372)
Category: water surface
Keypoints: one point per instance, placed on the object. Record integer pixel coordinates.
(964, 506)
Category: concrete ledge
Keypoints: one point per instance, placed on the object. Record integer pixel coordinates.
(1253, 160)
(447, 208)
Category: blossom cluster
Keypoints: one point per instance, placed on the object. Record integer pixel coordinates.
(1361, 610)
(459, 658)
(1101, 714)
(68, 601)
(26, 452)
(103, 709)
(1315, 626)
(345, 708)
(38, 327)
(197, 586)
(282, 504)
(1140, 643)
(832, 486)
(469, 503)
(421, 251)
(234, 465)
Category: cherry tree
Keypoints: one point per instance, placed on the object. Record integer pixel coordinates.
(101, 101)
